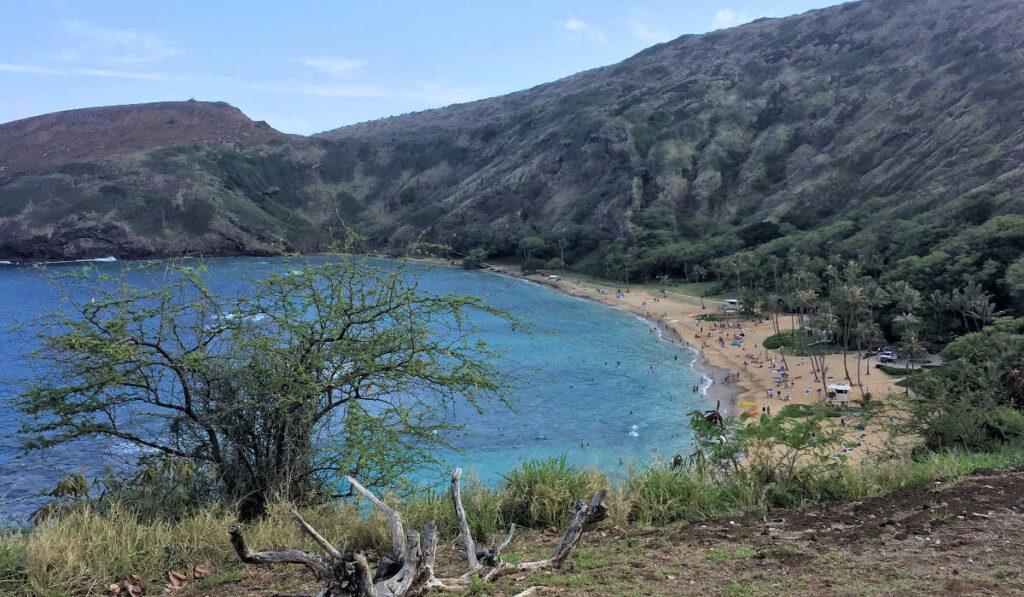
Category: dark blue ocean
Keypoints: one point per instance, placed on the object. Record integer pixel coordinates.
(588, 372)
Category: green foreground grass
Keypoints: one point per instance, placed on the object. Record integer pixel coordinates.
(88, 548)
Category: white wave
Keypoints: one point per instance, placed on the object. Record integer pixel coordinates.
(126, 448)
(108, 259)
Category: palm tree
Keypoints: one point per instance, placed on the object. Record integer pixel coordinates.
(936, 308)
(906, 321)
(805, 301)
(905, 297)
(770, 306)
(867, 330)
(874, 295)
(824, 320)
(850, 306)
(913, 348)
(832, 277)
(974, 305)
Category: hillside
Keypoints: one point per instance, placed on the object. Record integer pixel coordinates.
(87, 183)
(33, 145)
(852, 126)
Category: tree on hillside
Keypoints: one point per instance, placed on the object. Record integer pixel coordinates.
(1014, 281)
(530, 244)
(323, 370)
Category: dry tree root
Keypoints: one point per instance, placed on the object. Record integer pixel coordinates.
(409, 569)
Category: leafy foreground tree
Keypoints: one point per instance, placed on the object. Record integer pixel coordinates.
(325, 370)
(974, 401)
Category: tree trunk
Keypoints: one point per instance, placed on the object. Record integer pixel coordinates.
(410, 569)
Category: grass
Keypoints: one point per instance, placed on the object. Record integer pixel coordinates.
(798, 343)
(85, 550)
(899, 371)
(796, 411)
(536, 494)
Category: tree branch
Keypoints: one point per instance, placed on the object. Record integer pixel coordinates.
(318, 565)
(398, 545)
(460, 515)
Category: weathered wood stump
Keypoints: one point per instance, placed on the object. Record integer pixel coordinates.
(409, 569)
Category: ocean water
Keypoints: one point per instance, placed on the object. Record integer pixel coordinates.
(599, 385)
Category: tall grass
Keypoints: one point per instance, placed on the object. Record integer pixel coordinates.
(84, 550)
(539, 492)
(659, 495)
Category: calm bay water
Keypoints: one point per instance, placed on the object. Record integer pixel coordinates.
(592, 374)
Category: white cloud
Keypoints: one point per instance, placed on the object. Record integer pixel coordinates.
(581, 27)
(729, 18)
(333, 65)
(575, 25)
(33, 69)
(123, 46)
(650, 35)
(30, 69)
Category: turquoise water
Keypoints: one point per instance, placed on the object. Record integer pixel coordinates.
(593, 375)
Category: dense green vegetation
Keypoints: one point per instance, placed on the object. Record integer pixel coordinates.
(681, 161)
(976, 399)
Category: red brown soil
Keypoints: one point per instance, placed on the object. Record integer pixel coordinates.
(41, 142)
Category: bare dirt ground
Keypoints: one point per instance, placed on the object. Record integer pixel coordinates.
(931, 539)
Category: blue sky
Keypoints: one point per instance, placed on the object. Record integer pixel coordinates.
(312, 66)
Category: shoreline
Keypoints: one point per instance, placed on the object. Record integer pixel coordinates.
(744, 375)
(719, 390)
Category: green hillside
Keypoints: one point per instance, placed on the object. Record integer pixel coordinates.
(886, 131)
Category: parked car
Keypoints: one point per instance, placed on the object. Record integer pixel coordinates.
(887, 357)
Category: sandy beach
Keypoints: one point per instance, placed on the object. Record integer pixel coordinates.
(744, 377)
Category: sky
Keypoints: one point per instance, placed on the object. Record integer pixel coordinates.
(306, 67)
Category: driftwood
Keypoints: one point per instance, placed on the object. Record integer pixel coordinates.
(409, 569)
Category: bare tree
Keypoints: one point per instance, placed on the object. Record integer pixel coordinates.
(409, 569)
